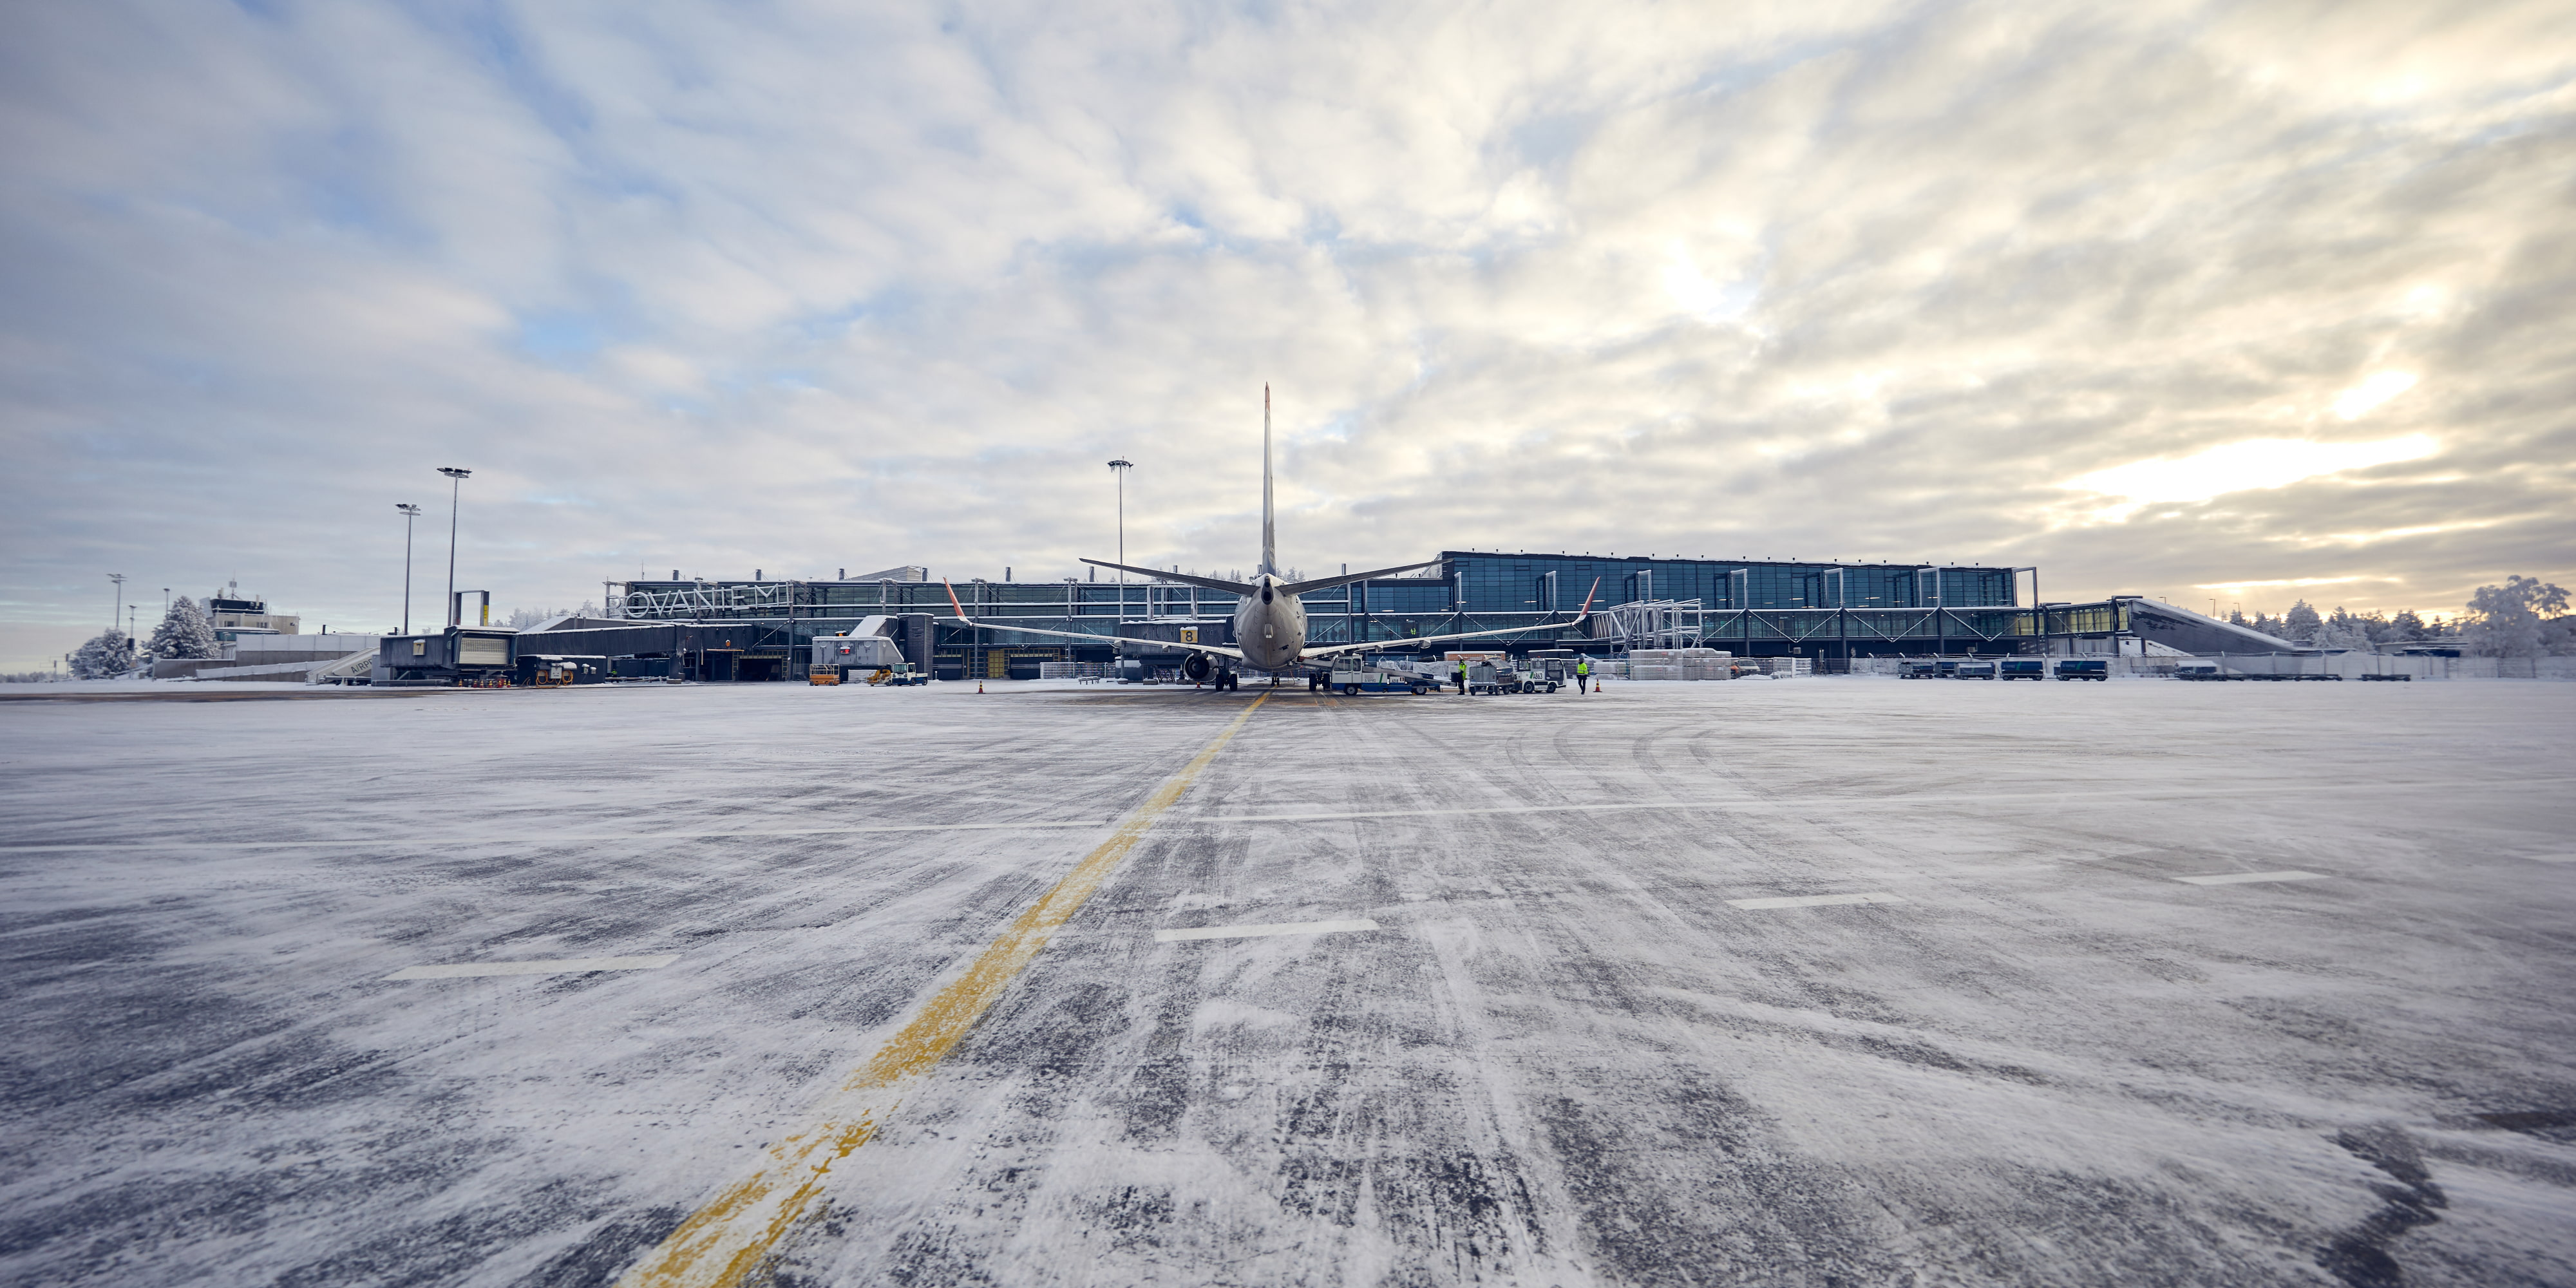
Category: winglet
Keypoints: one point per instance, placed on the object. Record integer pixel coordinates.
(961, 608)
(1587, 601)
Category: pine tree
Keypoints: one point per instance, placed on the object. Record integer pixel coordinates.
(2344, 630)
(185, 632)
(2301, 624)
(103, 657)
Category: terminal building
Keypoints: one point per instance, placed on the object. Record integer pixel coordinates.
(760, 629)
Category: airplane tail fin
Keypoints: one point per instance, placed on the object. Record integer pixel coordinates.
(1269, 532)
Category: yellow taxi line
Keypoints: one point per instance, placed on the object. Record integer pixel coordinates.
(730, 1237)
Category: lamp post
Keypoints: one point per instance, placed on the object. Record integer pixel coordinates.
(1118, 470)
(409, 513)
(117, 613)
(455, 490)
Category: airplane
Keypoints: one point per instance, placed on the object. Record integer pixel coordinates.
(1270, 626)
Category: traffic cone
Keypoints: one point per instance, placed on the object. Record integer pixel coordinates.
(979, 686)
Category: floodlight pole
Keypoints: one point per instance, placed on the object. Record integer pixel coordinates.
(455, 491)
(1118, 470)
(118, 611)
(409, 513)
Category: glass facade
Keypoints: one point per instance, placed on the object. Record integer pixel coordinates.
(1474, 583)
(1525, 583)
(1756, 607)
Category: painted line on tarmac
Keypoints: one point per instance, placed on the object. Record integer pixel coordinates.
(1256, 932)
(1817, 900)
(566, 966)
(2241, 878)
(731, 1237)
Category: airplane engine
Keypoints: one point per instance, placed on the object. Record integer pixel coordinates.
(1198, 668)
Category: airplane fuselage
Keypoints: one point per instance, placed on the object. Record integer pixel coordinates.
(1270, 627)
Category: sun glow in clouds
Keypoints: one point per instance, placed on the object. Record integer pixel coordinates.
(2243, 467)
(1693, 289)
(2356, 402)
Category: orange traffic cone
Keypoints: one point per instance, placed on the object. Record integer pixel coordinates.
(979, 686)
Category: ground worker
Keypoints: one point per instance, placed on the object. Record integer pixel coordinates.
(1459, 677)
(1582, 675)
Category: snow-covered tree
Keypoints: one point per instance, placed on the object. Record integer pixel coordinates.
(521, 619)
(2300, 625)
(106, 655)
(2344, 630)
(2406, 628)
(2505, 621)
(185, 632)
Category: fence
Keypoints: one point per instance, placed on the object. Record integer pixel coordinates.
(1680, 664)
(2353, 666)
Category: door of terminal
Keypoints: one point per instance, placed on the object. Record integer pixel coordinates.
(719, 665)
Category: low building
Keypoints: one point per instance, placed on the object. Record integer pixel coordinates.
(235, 615)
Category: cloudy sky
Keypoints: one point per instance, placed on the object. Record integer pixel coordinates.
(2213, 301)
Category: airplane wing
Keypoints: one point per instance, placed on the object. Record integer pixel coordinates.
(992, 624)
(1383, 646)
(1086, 637)
(1344, 579)
(1397, 645)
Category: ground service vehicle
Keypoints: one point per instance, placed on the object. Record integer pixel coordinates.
(548, 671)
(1974, 671)
(2084, 668)
(897, 675)
(1918, 671)
(1357, 680)
(2025, 668)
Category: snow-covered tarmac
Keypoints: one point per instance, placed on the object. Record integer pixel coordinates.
(1838, 981)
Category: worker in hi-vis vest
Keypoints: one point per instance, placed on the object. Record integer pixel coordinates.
(1582, 675)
